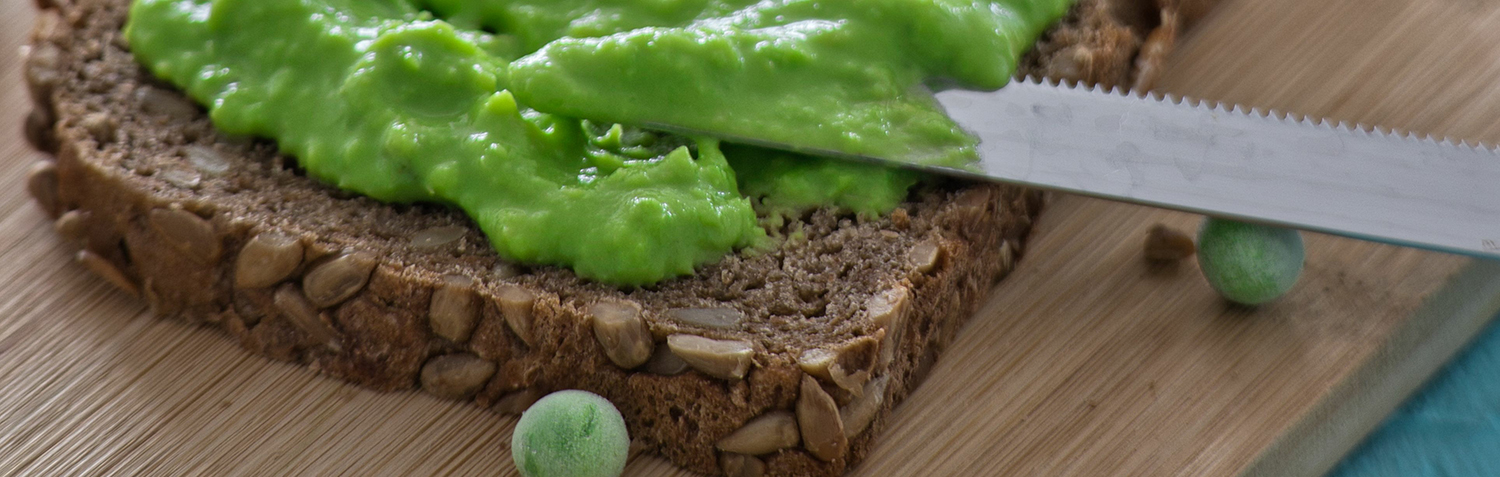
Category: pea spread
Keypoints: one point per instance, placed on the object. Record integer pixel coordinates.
(476, 104)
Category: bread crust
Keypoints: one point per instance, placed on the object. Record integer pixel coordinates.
(226, 232)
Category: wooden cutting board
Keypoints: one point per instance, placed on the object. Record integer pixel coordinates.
(1086, 362)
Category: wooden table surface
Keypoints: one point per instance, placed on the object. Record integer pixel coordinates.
(1086, 361)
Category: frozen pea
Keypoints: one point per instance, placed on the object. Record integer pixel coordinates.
(1248, 263)
(571, 434)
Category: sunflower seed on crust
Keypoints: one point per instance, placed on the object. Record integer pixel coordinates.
(925, 256)
(456, 376)
(768, 433)
(664, 362)
(622, 333)
(887, 311)
(339, 279)
(718, 318)
(818, 418)
(41, 182)
(295, 307)
(108, 271)
(187, 232)
(38, 130)
(517, 305)
(516, 402)
(858, 415)
(454, 310)
(849, 366)
(723, 359)
(267, 259)
(73, 225)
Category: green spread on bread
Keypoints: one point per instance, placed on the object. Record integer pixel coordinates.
(475, 104)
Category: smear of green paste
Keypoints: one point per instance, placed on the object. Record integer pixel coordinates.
(476, 109)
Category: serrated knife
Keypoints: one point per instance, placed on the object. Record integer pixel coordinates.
(1251, 165)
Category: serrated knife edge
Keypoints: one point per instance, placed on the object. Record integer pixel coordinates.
(1226, 160)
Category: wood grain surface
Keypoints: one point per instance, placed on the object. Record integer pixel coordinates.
(1087, 361)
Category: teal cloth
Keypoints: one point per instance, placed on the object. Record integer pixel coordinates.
(1450, 428)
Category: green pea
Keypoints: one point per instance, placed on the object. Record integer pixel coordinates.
(571, 434)
(1248, 263)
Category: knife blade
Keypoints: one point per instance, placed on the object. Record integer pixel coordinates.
(1226, 161)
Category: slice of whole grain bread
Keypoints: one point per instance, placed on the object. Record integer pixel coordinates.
(811, 343)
